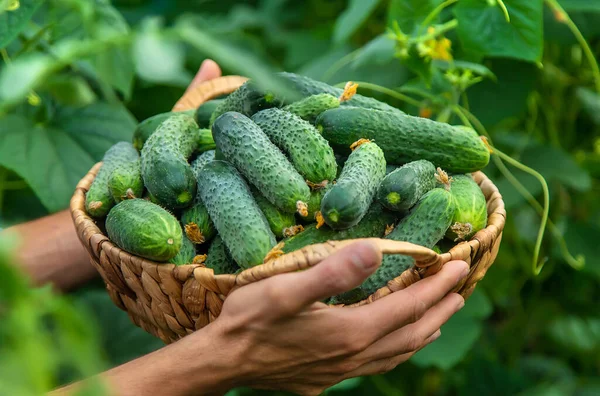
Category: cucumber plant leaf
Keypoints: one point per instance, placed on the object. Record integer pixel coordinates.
(380, 50)
(53, 156)
(580, 5)
(352, 18)
(482, 28)
(410, 13)
(15, 21)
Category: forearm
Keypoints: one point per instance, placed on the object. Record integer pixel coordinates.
(195, 365)
(49, 251)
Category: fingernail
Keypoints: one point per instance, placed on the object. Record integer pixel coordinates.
(464, 272)
(461, 304)
(364, 259)
(436, 335)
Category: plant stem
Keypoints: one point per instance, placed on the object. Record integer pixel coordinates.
(504, 10)
(557, 8)
(440, 30)
(389, 92)
(433, 14)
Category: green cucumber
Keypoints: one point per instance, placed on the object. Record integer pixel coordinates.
(197, 224)
(147, 127)
(204, 112)
(425, 225)
(373, 224)
(202, 160)
(165, 168)
(405, 138)
(314, 204)
(350, 197)
(390, 168)
(309, 108)
(471, 208)
(277, 219)
(249, 149)
(98, 199)
(125, 181)
(402, 188)
(235, 214)
(144, 229)
(186, 253)
(307, 150)
(219, 259)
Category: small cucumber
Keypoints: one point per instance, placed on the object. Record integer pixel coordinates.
(219, 259)
(165, 168)
(236, 216)
(373, 224)
(204, 112)
(314, 204)
(197, 223)
(202, 160)
(98, 199)
(186, 254)
(249, 149)
(125, 182)
(278, 220)
(405, 138)
(309, 108)
(402, 188)
(307, 150)
(144, 229)
(350, 197)
(147, 127)
(471, 208)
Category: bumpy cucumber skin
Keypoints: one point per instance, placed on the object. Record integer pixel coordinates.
(350, 197)
(204, 112)
(407, 184)
(144, 229)
(165, 169)
(248, 99)
(125, 181)
(198, 214)
(471, 206)
(186, 253)
(405, 138)
(249, 149)
(98, 200)
(147, 127)
(219, 259)
(202, 160)
(309, 108)
(314, 204)
(307, 86)
(236, 216)
(308, 151)
(373, 224)
(425, 225)
(277, 219)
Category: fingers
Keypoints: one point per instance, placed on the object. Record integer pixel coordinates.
(340, 272)
(408, 305)
(208, 70)
(411, 337)
(382, 366)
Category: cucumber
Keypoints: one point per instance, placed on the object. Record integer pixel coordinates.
(348, 200)
(405, 138)
(390, 168)
(248, 148)
(219, 259)
(165, 169)
(125, 181)
(401, 189)
(277, 219)
(186, 253)
(147, 127)
(309, 108)
(202, 160)
(144, 229)
(373, 224)
(98, 199)
(197, 224)
(471, 208)
(425, 225)
(307, 150)
(205, 141)
(314, 204)
(204, 112)
(236, 216)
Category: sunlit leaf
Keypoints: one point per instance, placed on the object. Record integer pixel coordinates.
(410, 13)
(14, 22)
(352, 18)
(482, 28)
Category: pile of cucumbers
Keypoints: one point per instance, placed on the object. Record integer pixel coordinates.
(253, 175)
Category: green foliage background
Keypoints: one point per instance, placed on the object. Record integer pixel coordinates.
(78, 75)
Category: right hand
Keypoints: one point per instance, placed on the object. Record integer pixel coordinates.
(279, 336)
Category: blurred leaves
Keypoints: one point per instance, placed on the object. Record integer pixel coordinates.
(62, 149)
(410, 13)
(590, 101)
(577, 333)
(483, 28)
(352, 18)
(13, 22)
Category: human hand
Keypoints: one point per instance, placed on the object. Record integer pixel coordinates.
(279, 336)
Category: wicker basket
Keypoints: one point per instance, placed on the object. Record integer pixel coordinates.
(171, 301)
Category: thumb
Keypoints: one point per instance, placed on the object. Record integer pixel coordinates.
(208, 71)
(338, 273)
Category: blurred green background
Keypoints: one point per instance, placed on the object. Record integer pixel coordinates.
(76, 76)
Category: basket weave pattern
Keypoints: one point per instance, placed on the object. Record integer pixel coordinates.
(171, 301)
